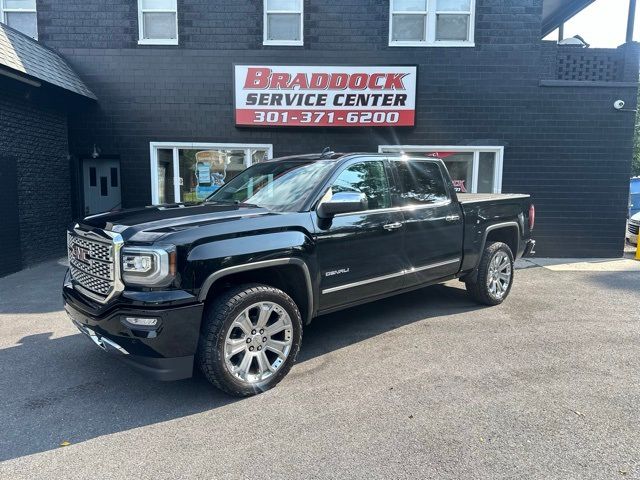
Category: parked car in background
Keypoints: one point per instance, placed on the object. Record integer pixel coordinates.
(634, 196)
(632, 229)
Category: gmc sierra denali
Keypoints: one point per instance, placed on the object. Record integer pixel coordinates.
(229, 283)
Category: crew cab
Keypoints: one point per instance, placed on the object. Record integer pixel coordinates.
(228, 284)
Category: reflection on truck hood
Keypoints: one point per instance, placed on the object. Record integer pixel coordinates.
(155, 221)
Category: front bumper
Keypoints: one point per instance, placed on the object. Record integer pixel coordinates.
(632, 233)
(165, 351)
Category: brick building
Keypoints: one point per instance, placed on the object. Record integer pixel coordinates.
(506, 110)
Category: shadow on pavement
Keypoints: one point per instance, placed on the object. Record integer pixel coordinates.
(38, 289)
(57, 389)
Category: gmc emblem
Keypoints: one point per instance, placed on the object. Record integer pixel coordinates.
(80, 254)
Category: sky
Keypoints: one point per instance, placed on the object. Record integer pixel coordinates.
(603, 24)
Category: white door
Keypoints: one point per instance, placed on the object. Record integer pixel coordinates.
(101, 185)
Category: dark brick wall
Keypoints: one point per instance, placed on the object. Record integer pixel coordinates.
(566, 146)
(35, 136)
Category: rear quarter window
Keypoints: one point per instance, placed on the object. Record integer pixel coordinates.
(420, 183)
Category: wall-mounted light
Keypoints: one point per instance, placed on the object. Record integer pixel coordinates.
(96, 152)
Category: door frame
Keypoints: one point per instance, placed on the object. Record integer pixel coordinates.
(475, 149)
(176, 146)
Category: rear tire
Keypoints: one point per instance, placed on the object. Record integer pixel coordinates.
(495, 275)
(249, 339)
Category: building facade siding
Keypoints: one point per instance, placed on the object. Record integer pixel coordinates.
(566, 146)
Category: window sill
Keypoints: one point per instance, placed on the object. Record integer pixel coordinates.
(283, 43)
(171, 41)
(434, 44)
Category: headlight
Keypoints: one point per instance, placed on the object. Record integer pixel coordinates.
(148, 267)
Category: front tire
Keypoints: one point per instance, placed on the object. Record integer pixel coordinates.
(495, 275)
(250, 337)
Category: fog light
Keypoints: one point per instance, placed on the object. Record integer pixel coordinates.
(141, 322)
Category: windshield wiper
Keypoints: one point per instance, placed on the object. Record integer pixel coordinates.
(233, 202)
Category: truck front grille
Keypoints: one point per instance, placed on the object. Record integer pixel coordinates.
(92, 264)
(633, 229)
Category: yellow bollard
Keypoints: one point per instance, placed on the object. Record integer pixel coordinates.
(638, 248)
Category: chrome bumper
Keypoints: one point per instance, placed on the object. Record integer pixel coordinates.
(529, 249)
(103, 342)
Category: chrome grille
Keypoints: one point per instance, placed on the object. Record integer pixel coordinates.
(634, 229)
(92, 264)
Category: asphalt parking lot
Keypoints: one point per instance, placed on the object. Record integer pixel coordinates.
(424, 385)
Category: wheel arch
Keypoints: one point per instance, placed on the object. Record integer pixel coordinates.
(506, 232)
(282, 273)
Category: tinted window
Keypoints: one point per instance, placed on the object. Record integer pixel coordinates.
(368, 178)
(420, 183)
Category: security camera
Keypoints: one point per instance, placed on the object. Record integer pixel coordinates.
(618, 104)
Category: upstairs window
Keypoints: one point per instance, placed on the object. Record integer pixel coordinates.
(158, 22)
(21, 15)
(283, 22)
(434, 23)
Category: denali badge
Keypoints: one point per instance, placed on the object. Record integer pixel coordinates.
(336, 272)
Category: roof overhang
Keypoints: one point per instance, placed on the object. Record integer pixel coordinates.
(28, 61)
(556, 12)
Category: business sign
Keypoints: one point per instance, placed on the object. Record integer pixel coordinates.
(325, 96)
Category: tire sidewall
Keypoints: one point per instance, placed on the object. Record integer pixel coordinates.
(257, 294)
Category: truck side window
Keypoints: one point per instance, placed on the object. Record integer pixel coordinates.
(421, 182)
(369, 178)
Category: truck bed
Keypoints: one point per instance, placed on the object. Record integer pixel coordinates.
(466, 198)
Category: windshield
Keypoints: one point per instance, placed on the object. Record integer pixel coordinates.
(635, 186)
(282, 186)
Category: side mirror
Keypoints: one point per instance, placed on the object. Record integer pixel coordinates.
(343, 202)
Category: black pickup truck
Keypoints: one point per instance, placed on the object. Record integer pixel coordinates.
(228, 284)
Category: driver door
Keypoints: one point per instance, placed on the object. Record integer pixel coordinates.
(360, 253)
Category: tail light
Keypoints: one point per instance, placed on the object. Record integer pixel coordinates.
(532, 216)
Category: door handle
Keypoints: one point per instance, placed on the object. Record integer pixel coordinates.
(392, 226)
(452, 218)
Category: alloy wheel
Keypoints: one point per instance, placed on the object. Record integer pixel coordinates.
(499, 277)
(258, 342)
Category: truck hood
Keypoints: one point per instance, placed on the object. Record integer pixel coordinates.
(149, 224)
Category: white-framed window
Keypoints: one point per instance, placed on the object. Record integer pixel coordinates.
(283, 22)
(472, 169)
(190, 172)
(158, 22)
(21, 15)
(431, 23)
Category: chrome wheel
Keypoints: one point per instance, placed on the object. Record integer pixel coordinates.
(499, 277)
(258, 342)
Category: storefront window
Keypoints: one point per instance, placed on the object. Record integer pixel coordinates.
(472, 169)
(192, 172)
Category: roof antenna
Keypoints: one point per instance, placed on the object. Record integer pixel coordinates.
(327, 152)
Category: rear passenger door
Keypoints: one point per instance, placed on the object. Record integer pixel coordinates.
(433, 224)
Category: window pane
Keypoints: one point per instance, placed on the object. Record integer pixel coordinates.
(460, 167)
(114, 177)
(92, 177)
(204, 171)
(22, 4)
(454, 5)
(420, 183)
(258, 155)
(160, 26)
(409, 5)
(104, 192)
(486, 169)
(368, 178)
(165, 176)
(24, 22)
(288, 5)
(452, 27)
(283, 26)
(407, 28)
(159, 4)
